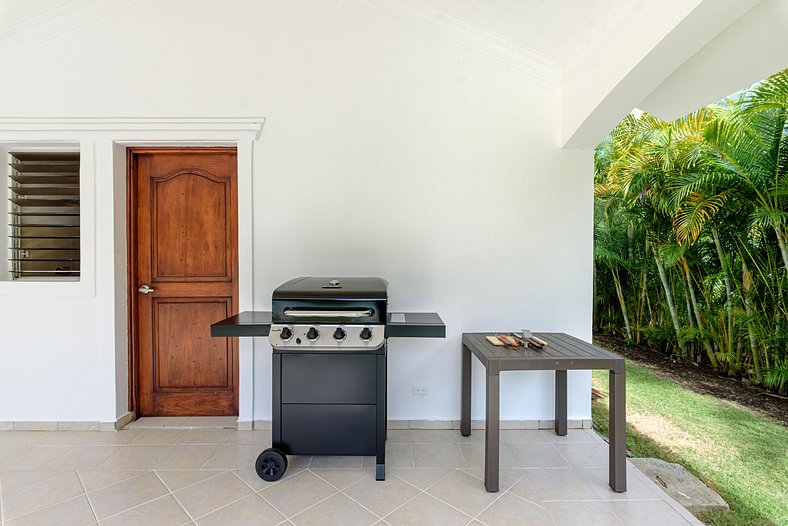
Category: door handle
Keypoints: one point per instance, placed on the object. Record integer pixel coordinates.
(146, 289)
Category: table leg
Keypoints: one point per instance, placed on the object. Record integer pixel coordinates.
(617, 460)
(465, 395)
(491, 431)
(560, 403)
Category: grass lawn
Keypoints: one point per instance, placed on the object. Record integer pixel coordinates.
(736, 452)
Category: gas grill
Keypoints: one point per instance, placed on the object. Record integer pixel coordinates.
(329, 366)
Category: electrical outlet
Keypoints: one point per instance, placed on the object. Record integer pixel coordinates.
(421, 389)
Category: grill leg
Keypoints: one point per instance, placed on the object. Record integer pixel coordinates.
(380, 442)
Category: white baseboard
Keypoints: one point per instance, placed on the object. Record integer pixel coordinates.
(455, 424)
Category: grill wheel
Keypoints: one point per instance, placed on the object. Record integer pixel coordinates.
(271, 464)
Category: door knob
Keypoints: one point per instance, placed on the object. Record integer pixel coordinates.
(146, 289)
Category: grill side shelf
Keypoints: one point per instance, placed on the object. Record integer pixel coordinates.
(247, 323)
(415, 325)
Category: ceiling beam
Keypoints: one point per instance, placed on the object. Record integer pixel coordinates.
(639, 47)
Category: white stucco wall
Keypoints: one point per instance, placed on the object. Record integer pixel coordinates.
(387, 150)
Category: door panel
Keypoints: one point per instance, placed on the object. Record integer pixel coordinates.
(185, 248)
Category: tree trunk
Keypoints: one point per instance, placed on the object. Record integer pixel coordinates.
(704, 340)
(728, 293)
(756, 358)
(623, 304)
(669, 296)
(783, 245)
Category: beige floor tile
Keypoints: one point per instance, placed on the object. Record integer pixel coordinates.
(233, 457)
(157, 422)
(95, 480)
(163, 511)
(152, 437)
(637, 488)
(647, 513)
(537, 455)
(58, 488)
(421, 478)
(185, 457)
(179, 479)
(342, 478)
(209, 495)
(6, 451)
(381, 497)
(553, 484)
(587, 513)
(425, 509)
(432, 436)
(397, 436)
(573, 436)
(464, 492)
(335, 462)
(585, 455)
(337, 509)
(397, 456)
(295, 494)
(73, 512)
(522, 436)
(253, 480)
(249, 511)
(215, 422)
(32, 458)
(297, 461)
(82, 458)
(257, 436)
(507, 477)
(133, 458)
(438, 456)
(205, 436)
(510, 510)
(16, 480)
(474, 456)
(476, 437)
(89, 438)
(122, 496)
(21, 438)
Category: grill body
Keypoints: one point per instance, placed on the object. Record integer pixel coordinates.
(329, 394)
(329, 340)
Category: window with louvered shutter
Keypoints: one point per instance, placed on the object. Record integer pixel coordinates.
(43, 239)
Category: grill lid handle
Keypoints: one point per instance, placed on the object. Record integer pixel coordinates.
(303, 313)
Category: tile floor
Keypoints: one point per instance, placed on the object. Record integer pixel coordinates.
(166, 472)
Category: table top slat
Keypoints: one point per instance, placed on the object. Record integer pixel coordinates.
(564, 352)
(567, 345)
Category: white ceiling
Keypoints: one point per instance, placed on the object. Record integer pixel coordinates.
(556, 28)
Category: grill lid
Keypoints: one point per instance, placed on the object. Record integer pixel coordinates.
(326, 288)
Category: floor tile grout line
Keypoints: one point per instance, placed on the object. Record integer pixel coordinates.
(87, 497)
(420, 491)
(225, 505)
(218, 472)
(141, 473)
(504, 492)
(136, 506)
(305, 509)
(178, 502)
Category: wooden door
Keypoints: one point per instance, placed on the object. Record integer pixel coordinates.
(183, 246)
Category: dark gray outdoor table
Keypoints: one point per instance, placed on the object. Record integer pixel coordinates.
(563, 353)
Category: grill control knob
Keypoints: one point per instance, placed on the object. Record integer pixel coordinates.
(366, 334)
(312, 334)
(339, 334)
(286, 334)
